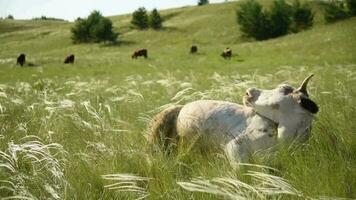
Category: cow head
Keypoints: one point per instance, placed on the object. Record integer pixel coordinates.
(290, 108)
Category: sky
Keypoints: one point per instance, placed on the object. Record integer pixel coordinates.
(72, 9)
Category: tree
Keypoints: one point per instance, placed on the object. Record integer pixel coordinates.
(335, 11)
(254, 22)
(10, 17)
(303, 16)
(80, 31)
(103, 31)
(203, 2)
(155, 19)
(95, 28)
(281, 18)
(351, 4)
(140, 18)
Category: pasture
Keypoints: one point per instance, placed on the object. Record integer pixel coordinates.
(79, 131)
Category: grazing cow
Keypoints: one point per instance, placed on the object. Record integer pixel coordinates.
(69, 59)
(140, 52)
(193, 49)
(227, 53)
(21, 59)
(266, 118)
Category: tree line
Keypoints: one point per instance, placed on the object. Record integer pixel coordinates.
(254, 20)
(97, 28)
(283, 17)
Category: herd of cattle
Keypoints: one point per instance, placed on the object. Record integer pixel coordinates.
(227, 53)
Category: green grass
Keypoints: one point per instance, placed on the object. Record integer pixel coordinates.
(98, 108)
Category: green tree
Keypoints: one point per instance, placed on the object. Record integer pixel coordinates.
(303, 16)
(253, 21)
(80, 31)
(351, 5)
(155, 19)
(335, 11)
(10, 17)
(96, 28)
(203, 2)
(140, 18)
(103, 31)
(281, 18)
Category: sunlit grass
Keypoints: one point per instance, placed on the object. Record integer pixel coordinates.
(79, 131)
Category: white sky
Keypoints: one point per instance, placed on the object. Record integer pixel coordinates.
(71, 9)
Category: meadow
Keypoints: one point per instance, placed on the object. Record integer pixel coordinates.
(79, 131)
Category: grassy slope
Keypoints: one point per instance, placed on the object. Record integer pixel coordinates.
(323, 167)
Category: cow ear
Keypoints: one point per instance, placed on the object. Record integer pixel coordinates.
(308, 104)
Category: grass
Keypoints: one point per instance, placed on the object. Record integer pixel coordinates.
(94, 113)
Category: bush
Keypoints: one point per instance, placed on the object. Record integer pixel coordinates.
(47, 18)
(95, 28)
(303, 16)
(351, 5)
(254, 22)
(281, 18)
(335, 11)
(203, 2)
(10, 17)
(155, 19)
(140, 18)
(80, 31)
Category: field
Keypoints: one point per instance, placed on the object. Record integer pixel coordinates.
(79, 131)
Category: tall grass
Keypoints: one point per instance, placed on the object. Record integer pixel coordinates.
(79, 132)
(102, 127)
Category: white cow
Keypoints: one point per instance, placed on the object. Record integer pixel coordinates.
(267, 117)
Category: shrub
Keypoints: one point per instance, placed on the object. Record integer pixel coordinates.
(351, 5)
(103, 31)
(203, 2)
(155, 19)
(47, 18)
(10, 17)
(281, 18)
(335, 11)
(303, 16)
(140, 18)
(254, 22)
(80, 31)
(95, 28)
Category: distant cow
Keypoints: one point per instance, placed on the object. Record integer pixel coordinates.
(193, 49)
(227, 53)
(69, 59)
(21, 59)
(140, 52)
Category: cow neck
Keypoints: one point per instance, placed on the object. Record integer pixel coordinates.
(266, 118)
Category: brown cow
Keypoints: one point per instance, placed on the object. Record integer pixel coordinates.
(140, 52)
(21, 59)
(69, 59)
(227, 53)
(193, 49)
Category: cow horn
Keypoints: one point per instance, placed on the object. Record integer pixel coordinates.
(303, 86)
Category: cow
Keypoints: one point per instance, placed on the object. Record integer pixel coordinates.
(193, 49)
(69, 59)
(21, 59)
(140, 52)
(266, 118)
(227, 53)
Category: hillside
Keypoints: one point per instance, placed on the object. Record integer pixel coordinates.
(47, 43)
(94, 114)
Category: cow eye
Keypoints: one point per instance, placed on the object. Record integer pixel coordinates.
(286, 89)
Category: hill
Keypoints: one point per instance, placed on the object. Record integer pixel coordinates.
(94, 113)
